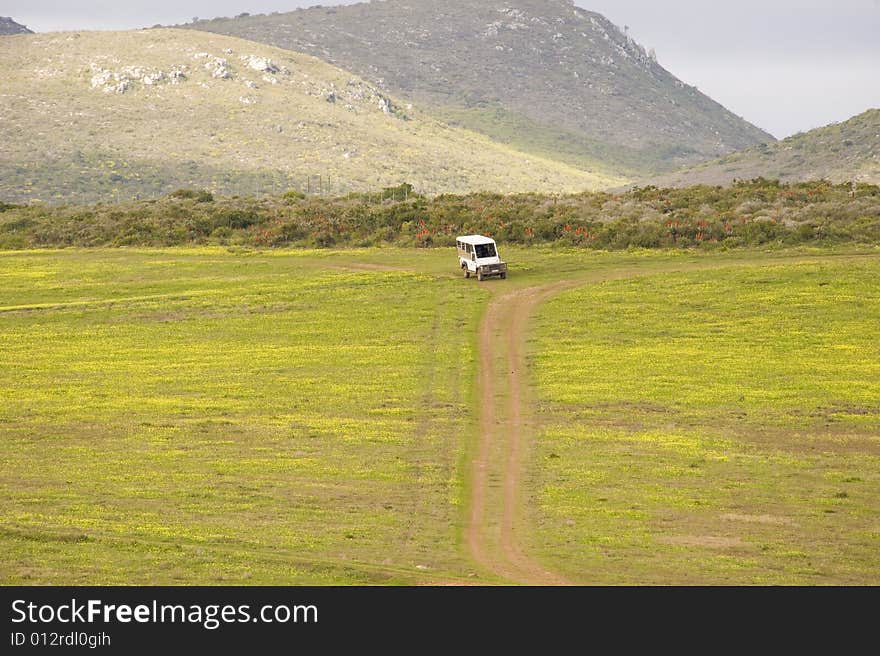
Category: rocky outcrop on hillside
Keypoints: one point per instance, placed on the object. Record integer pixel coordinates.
(9, 26)
(128, 77)
(252, 71)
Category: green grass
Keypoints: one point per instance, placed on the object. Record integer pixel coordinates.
(185, 417)
(718, 427)
(208, 416)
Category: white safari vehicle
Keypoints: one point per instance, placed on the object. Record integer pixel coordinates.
(478, 256)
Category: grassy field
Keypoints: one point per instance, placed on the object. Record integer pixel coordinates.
(199, 416)
(182, 416)
(719, 426)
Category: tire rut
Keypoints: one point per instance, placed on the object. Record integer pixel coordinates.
(505, 428)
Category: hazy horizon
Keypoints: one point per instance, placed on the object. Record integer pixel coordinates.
(786, 67)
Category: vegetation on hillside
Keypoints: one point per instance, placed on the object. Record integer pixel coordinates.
(543, 76)
(107, 116)
(838, 152)
(746, 214)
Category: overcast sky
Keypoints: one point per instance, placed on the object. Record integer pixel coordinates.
(784, 65)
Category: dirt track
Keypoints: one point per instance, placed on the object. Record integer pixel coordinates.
(505, 436)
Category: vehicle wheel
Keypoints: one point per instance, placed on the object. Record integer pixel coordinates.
(480, 276)
(467, 272)
(503, 276)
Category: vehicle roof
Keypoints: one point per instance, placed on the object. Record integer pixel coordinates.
(476, 239)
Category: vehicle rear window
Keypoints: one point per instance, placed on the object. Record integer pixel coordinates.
(485, 250)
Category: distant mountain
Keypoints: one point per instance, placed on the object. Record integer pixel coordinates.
(541, 75)
(9, 26)
(106, 115)
(841, 152)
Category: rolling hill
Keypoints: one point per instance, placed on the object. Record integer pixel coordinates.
(9, 26)
(542, 75)
(841, 152)
(112, 115)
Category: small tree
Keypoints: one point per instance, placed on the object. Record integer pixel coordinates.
(402, 191)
